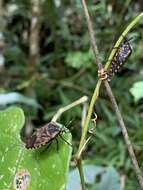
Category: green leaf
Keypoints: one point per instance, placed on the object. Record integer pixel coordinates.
(46, 169)
(137, 90)
(16, 55)
(11, 120)
(79, 59)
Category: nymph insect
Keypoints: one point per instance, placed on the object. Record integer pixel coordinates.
(122, 54)
(45, 135)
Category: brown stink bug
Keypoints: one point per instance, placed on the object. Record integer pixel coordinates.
(45, 135)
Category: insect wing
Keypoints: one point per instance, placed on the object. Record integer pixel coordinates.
(43, 136)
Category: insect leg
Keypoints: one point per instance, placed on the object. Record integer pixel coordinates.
(102, 74)
(57, 143)
(65, 140)
(46, 148)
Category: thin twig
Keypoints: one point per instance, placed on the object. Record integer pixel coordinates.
(92, 39)
(84, 146)
(88, 118)
(34, 35)
(2, 41)
(36, 77)
(125, 134)
(124, 33)
(122, 181)
(82, 100)
(84, 114)
(113, 101)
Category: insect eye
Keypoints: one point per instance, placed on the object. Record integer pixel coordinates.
(52, 128)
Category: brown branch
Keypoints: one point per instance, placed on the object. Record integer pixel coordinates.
(112, 98)
(92, 38)
(2, 41)
(125, 134)
(34, 35)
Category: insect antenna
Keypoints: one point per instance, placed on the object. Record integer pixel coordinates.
(68, 124)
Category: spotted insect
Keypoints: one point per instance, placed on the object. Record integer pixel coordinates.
(120, 57)
(45, 135)
(21, 180)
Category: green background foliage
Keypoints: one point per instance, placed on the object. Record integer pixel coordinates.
(66, 71)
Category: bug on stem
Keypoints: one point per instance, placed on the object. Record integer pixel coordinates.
(122, 54)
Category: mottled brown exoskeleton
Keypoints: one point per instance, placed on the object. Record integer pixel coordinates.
(45, 135)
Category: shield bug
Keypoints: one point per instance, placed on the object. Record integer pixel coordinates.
(45, 135)
(122, 54)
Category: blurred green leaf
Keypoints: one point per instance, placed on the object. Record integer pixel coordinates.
(16, 55)
(47, 169)
(79, 59)
(137, 90)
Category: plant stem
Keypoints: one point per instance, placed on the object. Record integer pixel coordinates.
(88, 118)
(125, 135)
(80, 169)
(124, 33)
(34, 35)
(81, 100)
(110, 94)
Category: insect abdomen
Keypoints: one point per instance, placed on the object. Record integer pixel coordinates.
(120, 57)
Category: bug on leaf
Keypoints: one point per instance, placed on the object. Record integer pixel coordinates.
(122, 54)
(45, 135)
